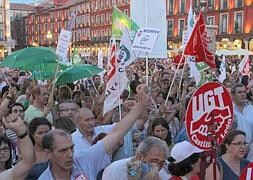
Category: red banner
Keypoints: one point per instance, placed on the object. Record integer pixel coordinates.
(209, 115)
(199, 45)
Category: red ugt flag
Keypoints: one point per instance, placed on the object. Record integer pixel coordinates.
(199, 45)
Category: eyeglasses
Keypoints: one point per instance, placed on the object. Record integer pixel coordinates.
(240, 143)
(4, 149)
(70, 109)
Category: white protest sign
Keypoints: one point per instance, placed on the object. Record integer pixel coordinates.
(63, 43)
(145, 39)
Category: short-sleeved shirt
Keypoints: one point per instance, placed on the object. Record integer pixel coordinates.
(87, 164)
(6, 175)
(118, 171)
(82, 143)
(33, 112)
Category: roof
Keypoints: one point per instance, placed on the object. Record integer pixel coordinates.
(23, 7)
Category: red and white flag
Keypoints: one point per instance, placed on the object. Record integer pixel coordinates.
(244, 65)
(199, 45)
(117, 78)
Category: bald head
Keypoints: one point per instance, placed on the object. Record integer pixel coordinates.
(85, 121)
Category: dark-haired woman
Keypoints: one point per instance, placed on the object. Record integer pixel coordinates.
(231, 163)
(184, 161)
(5, 153)
(160, 128)
(37, 129)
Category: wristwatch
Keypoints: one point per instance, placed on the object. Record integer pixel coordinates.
(23, 135)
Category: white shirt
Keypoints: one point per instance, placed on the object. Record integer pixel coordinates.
(118, 171)
(82, 143)
(245, 124)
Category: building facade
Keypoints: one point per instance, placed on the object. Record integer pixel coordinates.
(92, 28)
(232, 18)
(5, 32)
(17, 12)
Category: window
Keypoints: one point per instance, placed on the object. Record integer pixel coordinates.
(1, 34)
(210, 20)
(170, 28)
(108, 32)
(224, 4)
(1, 18)
(97, 19)
(170, 7)
(210, 4)
(126, 12)
(238, 3)
(238, 22)
(224, 23)
(45, 27)
(92, 20)
(92, 6)
(102, 19)
(180, 27)
(182, 6)
(195, 4)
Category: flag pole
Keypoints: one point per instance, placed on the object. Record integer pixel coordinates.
(182, 75)
(147, 52)
(173, 80)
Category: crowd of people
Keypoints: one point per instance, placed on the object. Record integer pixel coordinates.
(59, 132)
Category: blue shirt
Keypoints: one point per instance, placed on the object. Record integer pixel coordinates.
(82, 143)
(88, 163)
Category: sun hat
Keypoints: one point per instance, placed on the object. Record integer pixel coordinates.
(183, 150)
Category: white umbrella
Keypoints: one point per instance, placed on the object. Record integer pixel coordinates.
(242, 52)
(224, 52)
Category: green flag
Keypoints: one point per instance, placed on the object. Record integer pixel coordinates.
(201, 66)
(119, 21)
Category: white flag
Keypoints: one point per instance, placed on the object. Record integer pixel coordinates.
(125, 54)
(117, 75)
(193, 69)
(244, 65)
(223, 74)
(190, 21)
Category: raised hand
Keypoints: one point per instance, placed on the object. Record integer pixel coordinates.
(15, 123)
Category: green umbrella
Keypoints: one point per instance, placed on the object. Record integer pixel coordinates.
(42, 75)
(29, 56)
(47, 67)
(77, 72)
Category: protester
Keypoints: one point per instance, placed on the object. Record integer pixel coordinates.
(159, 128)
(184, 161)
(40, 107)
(65, 124)
(150, 150)
(22, 168)
(67, 108)
(87, 163)
(243, 114)
(37, 129)
(231, 163)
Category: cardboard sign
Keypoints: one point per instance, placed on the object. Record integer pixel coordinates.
(209, 113)
(145, 39)
(63, 43)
